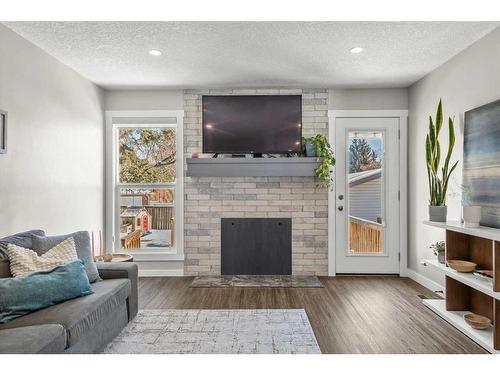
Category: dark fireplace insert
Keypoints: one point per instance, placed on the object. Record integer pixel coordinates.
(256, 246)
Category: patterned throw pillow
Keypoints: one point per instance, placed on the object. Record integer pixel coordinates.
(24, 261)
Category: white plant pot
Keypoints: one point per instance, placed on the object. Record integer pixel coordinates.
(471, 216)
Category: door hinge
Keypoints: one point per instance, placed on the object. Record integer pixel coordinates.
(399, 257)
(399, 134)
(399, 195)
(113, 239)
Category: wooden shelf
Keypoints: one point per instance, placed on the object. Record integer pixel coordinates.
(476, 282)
(456, 318)
(456, 226)
(251, 167)
(464, 291)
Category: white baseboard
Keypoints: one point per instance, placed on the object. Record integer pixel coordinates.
(424, 281)
(160, 273)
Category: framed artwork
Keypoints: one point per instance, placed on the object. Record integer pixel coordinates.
(481, 174)
(3, 132)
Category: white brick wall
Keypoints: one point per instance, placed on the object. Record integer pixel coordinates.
(207, 199)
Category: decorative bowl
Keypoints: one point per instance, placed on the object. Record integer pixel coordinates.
(477, 321)
(462, 266)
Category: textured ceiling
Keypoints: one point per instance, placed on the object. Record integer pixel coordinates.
(251, 54)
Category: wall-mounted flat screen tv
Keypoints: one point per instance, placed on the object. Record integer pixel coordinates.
(252, 124)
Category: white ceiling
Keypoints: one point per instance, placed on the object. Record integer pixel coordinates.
(252, 54)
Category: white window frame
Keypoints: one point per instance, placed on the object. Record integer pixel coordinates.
(175, 253)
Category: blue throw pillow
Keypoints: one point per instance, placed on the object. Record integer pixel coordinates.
(22, 295)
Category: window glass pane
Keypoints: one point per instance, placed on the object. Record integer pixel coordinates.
(365, 190)
(146, 218)
(146, 155)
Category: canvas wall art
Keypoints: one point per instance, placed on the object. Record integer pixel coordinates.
(481, 173)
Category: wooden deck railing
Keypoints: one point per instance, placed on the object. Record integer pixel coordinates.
(132, 240)
(365, 236)
(160, 216)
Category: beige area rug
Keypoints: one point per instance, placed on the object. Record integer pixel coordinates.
(273, 331)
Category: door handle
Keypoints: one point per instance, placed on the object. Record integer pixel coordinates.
(340, 208)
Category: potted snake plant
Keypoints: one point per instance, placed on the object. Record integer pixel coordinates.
(438, 175)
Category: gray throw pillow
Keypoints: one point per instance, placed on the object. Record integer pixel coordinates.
(22, 239)
(83, 249)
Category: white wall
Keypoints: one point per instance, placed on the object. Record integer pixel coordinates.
(368, 99)
(52, 176)
(129, 100)
(468, 80)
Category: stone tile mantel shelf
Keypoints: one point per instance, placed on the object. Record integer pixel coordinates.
(253, 167)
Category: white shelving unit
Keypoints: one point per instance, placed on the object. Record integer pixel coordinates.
(466, 292)
(483, 337)
(456, 226)
(476, 282)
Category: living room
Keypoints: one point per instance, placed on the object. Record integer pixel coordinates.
(263, 187)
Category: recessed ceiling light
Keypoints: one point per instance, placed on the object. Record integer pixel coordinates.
(155, 52)
(357, 50)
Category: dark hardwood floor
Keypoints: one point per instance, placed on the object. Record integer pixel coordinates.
(351, 314)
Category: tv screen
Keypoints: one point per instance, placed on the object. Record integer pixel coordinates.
(250, 124)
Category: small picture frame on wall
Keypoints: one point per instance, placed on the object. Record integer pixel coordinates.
(3, 132)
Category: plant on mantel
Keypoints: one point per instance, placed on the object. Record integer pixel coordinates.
(438, 176)
(324, 154)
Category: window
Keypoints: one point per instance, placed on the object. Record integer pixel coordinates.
(147, 183)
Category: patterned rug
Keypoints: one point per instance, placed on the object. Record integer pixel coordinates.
(251, 281)
(280, 331)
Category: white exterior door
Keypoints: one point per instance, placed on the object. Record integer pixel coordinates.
(365, 196)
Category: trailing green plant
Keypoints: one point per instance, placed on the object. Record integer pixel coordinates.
(324, 154)
(437, 175)
(438, 247)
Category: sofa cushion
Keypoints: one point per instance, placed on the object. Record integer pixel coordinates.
(22, 295)
(24, 261)
(43, 244)
(43, 339)
(77, 316)
(22, 239)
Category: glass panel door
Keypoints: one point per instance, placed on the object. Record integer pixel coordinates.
(366, 195)
(365, 191)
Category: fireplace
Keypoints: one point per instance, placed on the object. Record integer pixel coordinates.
(256, 246)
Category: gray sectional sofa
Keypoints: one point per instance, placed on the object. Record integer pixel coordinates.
(82, 325)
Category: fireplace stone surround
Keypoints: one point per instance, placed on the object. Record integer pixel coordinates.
(208, 199)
